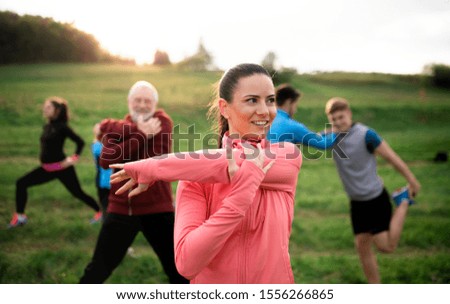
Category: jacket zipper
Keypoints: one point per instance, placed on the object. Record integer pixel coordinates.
(243, 268)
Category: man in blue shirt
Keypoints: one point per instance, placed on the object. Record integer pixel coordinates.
(284, 128)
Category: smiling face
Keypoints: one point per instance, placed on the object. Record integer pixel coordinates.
(341, 120)
(252, 108)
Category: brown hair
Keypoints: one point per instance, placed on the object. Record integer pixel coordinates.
(285, 92)
(225, 89)
(61, 109)
(336, 104)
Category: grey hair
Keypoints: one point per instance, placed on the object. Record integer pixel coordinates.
(145, 84)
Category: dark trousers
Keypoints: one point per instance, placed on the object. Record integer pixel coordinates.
(103, 194)
(117, 234)
(39, 176)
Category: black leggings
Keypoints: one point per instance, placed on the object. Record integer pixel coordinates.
(103, 195)
(39, 176)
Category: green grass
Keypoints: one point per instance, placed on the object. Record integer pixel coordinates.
(58, 242)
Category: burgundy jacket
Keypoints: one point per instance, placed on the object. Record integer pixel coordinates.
(123, 142)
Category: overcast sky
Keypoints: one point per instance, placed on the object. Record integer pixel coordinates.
(391, 36)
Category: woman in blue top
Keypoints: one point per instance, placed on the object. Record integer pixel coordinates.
(284, 128)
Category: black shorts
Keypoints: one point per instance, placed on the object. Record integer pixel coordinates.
(372, 216)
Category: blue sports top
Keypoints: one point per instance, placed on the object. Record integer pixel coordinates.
(284, 128)
(103, 175)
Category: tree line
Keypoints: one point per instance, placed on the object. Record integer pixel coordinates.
(35, 39)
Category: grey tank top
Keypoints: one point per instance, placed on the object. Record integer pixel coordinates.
(356, 166)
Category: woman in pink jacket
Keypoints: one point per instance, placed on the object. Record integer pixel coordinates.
(235, 204)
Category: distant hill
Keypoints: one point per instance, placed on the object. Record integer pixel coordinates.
(34, 39)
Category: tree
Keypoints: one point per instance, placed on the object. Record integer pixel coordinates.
(200, 61)
(34, 39)
(279, 75)
(269, 62)
(440, 75)
(161, 58)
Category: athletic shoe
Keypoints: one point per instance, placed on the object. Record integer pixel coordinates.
(98, 216)
(400, 195)
(17, 220)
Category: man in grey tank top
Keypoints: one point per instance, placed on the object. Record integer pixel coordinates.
(371, 211)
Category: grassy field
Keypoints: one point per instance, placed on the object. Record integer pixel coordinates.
(57, 243)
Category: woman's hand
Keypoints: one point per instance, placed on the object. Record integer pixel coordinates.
(252, 154)
(122, 175)
(69, 161)
(256, 156)
(232, 166)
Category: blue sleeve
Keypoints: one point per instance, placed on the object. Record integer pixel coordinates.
(96, 149)
(306, 137)
(373, 140)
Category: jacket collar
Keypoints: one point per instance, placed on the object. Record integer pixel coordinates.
(283, 113)
(228, 141)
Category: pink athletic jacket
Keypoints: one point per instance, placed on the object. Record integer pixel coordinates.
(230, 231)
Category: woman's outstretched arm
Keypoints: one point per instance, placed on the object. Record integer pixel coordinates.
(211, 166)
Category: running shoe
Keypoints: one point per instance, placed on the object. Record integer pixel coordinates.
(98, 216)
(400, 195)
(17, 220)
